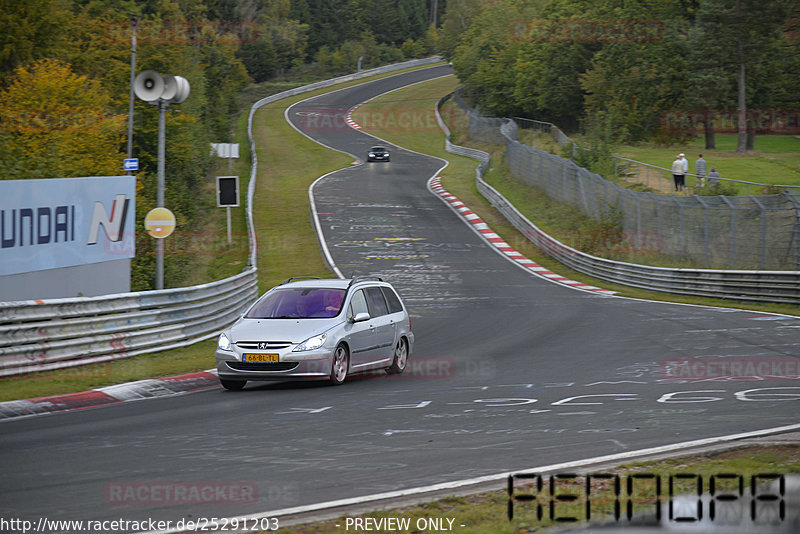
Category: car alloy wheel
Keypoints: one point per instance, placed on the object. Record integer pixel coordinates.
(340, 365)
(400, 358)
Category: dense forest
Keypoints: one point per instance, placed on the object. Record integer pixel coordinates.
(627, 66)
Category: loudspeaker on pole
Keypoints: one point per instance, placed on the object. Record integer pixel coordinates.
(176, 89)
(148, 85)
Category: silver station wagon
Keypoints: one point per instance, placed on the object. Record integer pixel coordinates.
(317, 329)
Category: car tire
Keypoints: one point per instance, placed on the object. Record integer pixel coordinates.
(400, 360)
(232, 385)
(340, 365)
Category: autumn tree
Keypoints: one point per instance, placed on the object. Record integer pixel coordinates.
(56, 123)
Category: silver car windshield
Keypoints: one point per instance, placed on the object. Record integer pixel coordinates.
(298, 303)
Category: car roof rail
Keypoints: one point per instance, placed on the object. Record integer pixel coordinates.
(292, 279)
(358, 279)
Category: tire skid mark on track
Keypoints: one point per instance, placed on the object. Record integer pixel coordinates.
(495, 240)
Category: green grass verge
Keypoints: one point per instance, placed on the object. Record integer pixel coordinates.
(287, 245)
(776, 159)
(487, 512)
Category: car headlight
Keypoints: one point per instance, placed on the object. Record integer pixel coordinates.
(223, 342)
(311, 343)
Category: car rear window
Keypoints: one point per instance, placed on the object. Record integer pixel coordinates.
(298, 303)
(392, 300)
(376, 302)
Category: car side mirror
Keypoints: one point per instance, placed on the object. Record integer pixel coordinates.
(361, 317)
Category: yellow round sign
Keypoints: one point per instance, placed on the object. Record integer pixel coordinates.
(159, 222)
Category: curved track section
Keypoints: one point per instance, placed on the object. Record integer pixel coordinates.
(510, 371)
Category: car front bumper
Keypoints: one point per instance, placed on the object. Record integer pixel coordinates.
(309, 365)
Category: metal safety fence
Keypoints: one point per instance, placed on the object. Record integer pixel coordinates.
(59, 333)
(42, 335)
(733, 232)
(746, 285)
(641, 172)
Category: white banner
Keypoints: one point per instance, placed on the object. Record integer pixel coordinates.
(62, 222)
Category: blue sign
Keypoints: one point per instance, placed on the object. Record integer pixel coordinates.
(130, 164)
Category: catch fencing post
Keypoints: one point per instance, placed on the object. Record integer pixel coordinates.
(733, 229)
(706, 230)
(795, 230)
(763, 253)
(654, 197)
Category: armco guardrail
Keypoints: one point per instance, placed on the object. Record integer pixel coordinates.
(53, 334)
(762, 286)
(41, 335)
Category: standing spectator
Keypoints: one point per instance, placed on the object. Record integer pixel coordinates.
(713, 177)
(679, 168)
(700, 170)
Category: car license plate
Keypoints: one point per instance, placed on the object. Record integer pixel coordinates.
(261, 358)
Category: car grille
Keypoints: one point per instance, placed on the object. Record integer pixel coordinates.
(258, 366)
(263, 345)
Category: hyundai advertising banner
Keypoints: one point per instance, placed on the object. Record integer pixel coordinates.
(63, 222)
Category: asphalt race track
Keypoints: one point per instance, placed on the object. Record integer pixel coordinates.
(509, 371)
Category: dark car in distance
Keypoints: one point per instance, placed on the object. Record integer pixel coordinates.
(378, 153)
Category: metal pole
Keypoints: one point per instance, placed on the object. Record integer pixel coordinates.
(706, 230)
(134, 22)
(658, 214)
(683, 234)
(638, 221)
(732, 209)
(763, 254)
(160, 194)
(228, 209)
